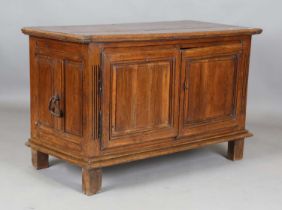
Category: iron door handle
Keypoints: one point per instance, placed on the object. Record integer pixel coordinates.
(53, 106)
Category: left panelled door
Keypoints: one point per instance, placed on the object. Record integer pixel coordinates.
(140, 96)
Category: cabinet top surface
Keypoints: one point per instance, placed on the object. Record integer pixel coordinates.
(170, 30)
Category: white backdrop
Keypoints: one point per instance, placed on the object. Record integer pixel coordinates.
(265, 77)
(198, 179)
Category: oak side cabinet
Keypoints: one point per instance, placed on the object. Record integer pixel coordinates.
(108, 94)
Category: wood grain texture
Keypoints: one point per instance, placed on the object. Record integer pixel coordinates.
(142, 93)
(45, 84)
(91, 83)
(209, 88)
(139, 31)
(236, 149)
(40, 160)
(73, 97)
(58, 67)
(91, 181)
(209, 80)
(120, 156)
(136, 91)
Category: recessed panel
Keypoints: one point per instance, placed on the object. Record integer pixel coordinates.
(73, 97)
(45, 82)
(141, 97)
(211, 86)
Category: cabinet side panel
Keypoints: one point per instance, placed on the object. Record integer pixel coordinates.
(59, 69)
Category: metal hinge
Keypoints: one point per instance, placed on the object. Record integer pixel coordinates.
(185, 86)
(100, 82)
(100, 92)
(100, 125)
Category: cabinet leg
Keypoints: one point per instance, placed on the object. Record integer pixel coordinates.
(91, 180)
(236, 149)
(39, 159)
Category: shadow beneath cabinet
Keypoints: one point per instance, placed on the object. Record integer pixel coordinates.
(142, 171)
(63, 173)
(167, 167)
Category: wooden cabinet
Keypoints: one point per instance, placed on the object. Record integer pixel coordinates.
(104, 95)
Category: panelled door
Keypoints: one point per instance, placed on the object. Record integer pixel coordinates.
(209, 97)
(140, 95)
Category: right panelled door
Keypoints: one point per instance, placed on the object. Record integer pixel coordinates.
(210, 80)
